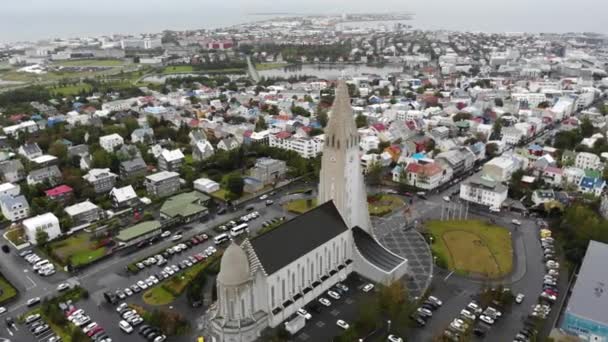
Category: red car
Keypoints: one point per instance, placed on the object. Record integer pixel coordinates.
(94, 331)
(551, 292)
(195, 241)
(199, 257)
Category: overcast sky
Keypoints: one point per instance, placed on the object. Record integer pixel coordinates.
(34, 19)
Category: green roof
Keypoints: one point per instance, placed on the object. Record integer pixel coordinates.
(592, 173)
(184, 205)
(138, 230)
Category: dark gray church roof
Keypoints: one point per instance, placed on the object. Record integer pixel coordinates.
(293, 239)
(374, 252)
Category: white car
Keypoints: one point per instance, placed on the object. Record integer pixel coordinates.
(263, 197)
(121, 307)
(467, 314)
(63, 287)
(425, 312)
(446, 198)
(342, 324)
(516, 222)
(2, 310)
(435, 300)
(165, 234)
(333, 295)
(393, 338)
(142, 285)
(128, 292)
(368, 287)
(176, 237)
(89, 327)
(474, 308)
(126, 327)
(304, 314)
(519, 298)
(486, 319)
(324, 301)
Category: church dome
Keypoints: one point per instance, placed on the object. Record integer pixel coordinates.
(234, 269)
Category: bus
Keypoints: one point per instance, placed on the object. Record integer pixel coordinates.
(221, 239)
(240, 229)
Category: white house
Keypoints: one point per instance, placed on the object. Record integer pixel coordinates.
(588, 161)
(206, 185)
(46, 222)
(511, 135)
(501, 168)
(111, 141)
(369, 142)
(14, 208)
(484, 191)
(10, 189)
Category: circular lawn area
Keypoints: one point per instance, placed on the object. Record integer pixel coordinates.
(472, 247)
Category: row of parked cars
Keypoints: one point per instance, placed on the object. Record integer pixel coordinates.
(550, 291)
(161, 258)
(40, 329)
(131, 319)
(243, 219)
(165, 273)
(425, 311)
(472, 317)
(43, 267)
(80, 319)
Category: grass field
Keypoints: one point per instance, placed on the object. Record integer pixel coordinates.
(384, 204)
(79, 249)
(16, 236)
(268, 66)
(220, 194)
(92, 62)
(300, 206)
(71, 90)
(8, 290)
(176, 69)
(472, 247)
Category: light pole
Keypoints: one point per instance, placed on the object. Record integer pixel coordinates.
(389, 325)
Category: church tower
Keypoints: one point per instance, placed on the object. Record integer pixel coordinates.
(341, 179)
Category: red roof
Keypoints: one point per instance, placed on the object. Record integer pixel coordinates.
(193, 123)
(58, 191)
(426, 169)
(17, 117)
(247, 134)
(379, 127)
(283, 135)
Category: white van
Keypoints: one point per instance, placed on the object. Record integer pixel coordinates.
(240, 229)
(221, 239)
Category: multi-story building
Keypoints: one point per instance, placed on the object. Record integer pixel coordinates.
(110, 142)
(501, 168)
(427, 176)
(162, 184)
(124, 197)
(102, 180)
(84, 212)
(588, 161)
(485, 191)
(14, 208)
(585, 313)
(511, 136)
(308, 147)
(268, 170)
(146, 43)
(48, 223)
(170, 160)
(133, 168)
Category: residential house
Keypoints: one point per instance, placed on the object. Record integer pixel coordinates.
(196, 136)
(14, 208)
(427, 176)
(397, 173)
(511, 136)
(12, 171)
(485, 191)
(30, 151)
(124, 197)
(206, 185)
(10, 189)
(84, 213)
(171, 160)
(78, 150)
(110, 142)
(228, 143)
(305, 147)
(48, 223)
(588, 161)
(542, 196)
(501, 168)
(143, 135)
(162, 184)
(460, 160)
(370, 142)
(133, 168)
(50, 174)
(592, 185)
(202, 150)
(268, 170)
(185, 208)
(573, 175)
(102, 180)
(61, 193)
(552, 175)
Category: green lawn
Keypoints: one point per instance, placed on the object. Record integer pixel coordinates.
(8, 290)
(268, 66)
(92, 62)
(158, 296)
(17, 236)
(220, 194)
(472, 247)
(176, 69)
(81, 258)
(79, 249)
(72, 89)
(300, 206)
(384, 204)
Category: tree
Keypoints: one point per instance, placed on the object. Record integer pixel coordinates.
(461, 116)
(374, 175)
(235, 184)
(59, 150)
(361, 121)
(492, 149)
(42, 237)
(260, 124)
(497, 129)
(586, 127)
(323, 118)
(101, 159)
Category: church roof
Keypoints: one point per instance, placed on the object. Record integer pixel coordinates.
(234, 267)
(341, 122)
(295, 238)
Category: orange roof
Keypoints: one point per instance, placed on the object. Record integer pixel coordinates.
(430, 169)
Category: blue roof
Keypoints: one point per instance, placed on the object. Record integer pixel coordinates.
(590, 183)
(535, 147)
(418, 156)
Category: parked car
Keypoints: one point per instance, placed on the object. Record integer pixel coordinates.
(304, 313)
(519, 298)
(324, 301)
(342, 324)
(368, 287)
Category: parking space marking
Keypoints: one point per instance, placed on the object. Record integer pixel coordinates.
(304, 336)
(9, 331)
(320, 324)
(349, 301)
(334, 312)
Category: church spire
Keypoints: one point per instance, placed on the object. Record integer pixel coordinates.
(341, 130)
